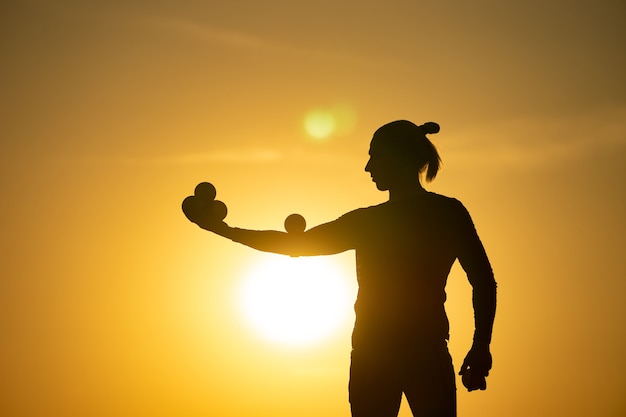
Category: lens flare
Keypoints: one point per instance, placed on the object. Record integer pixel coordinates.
(336, 120)
(319, 124)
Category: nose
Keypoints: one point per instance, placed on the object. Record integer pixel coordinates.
(368, 165)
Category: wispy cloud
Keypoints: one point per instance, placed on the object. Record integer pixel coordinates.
(225, 156)
(217, 35)
(211, 33)
(531, 141)
(231, 156)
(239, 39)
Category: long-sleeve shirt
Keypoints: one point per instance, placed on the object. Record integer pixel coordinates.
(404, 253)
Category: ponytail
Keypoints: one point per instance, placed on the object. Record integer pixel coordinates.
(429, 127)
(432, 158)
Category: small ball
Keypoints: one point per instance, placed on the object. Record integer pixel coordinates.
(295, 223)
(473, 382)
(205, 190)
(218, 210)
(190, 207)
(196, 209)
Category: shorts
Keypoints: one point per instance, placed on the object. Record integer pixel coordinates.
(425, 375)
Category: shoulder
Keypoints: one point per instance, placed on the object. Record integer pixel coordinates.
(444, 201)
(363, 213)
(448, 207)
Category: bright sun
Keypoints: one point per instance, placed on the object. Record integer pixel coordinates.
(296, 301)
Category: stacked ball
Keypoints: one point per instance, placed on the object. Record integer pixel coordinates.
(202, 207)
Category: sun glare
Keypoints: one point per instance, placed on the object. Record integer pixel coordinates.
(296, 301)
(338, 119)
(319, 124)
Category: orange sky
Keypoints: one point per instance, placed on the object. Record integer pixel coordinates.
(112, 304)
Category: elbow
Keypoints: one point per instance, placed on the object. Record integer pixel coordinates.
(484, 283)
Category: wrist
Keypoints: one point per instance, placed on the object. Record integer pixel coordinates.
(481, 343)
(221, 228)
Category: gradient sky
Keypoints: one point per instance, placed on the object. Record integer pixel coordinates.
(112, 304)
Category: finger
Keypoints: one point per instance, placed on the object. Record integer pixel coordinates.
(483, 384)
(464, 367)
(466, 379)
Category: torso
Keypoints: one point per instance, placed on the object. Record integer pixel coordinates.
(404, 252)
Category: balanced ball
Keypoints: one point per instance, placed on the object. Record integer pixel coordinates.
(295, 223)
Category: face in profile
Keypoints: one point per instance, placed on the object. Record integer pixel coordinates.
(386, 169)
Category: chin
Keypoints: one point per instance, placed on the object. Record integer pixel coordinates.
(382, 187)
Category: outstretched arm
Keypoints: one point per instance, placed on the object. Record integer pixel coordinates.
(325, 239)
(208, 213)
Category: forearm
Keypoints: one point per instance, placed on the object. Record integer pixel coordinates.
(317, 241)
(484, 286)
(263, 240)
(484, 301)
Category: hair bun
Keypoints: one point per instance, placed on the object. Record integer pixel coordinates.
(430, 127)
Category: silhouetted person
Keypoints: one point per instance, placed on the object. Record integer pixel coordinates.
(405, 248)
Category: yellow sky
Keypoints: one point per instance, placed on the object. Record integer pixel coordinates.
(112, 304)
